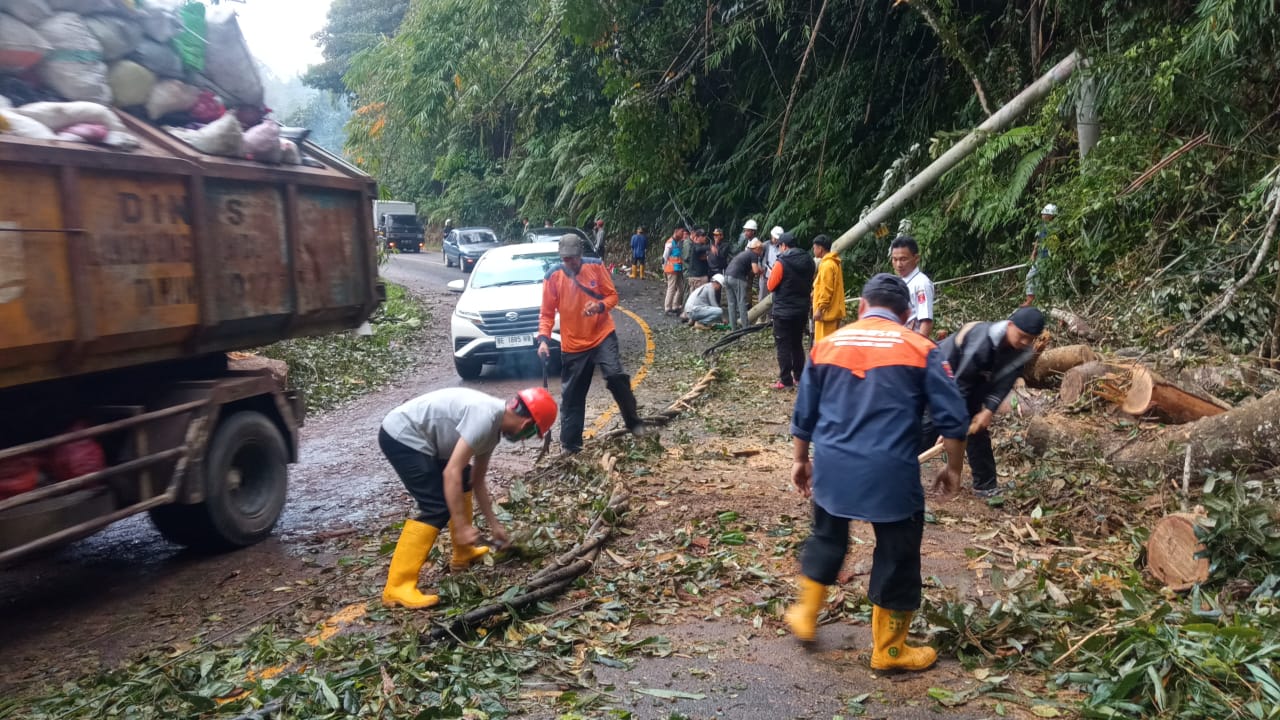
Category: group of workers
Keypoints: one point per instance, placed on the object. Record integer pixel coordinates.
(871, 396)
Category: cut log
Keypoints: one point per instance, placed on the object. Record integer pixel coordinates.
(1082, 384)
(1074, 324)
(1172, 552)
(1150, 394)
(1241, 440)
(1048, 368)
(249, 362)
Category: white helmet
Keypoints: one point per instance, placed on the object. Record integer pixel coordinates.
(1049, 209)
(776, 232)
(717, 279)
(750, 225)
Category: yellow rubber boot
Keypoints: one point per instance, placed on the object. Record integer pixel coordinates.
(802, 617)
(464, 555)
(410, 555)
(889, 634)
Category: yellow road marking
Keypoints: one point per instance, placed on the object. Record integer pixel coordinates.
(332, 626)
(649, 347)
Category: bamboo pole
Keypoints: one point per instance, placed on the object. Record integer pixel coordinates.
(930, 175)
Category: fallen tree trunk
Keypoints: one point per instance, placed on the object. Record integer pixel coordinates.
(1241, 440)
(1172, 552)
(1151, 394)
(1049, 366)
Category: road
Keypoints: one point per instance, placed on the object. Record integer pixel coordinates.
(126, 590)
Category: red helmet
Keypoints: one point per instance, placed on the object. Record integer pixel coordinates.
(540, 406)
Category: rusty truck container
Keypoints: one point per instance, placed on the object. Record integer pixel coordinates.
(111, 259)
(124, 280)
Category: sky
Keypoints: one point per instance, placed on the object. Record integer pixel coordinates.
(279, 32)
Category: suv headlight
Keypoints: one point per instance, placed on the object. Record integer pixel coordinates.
(471, 316)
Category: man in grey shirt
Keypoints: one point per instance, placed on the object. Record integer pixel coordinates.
(439, 445)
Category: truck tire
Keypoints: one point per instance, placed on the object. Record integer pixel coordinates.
(246, 478)
(468, 369)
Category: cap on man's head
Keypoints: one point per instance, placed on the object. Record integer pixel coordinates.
(887, 291)
(755, 243)
(776, 232)
(717, 279)
(570, 246)
(1028, 319)
(787, 239)
(750, 225)
(823, 240)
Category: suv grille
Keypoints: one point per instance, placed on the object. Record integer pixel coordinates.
(525, 322)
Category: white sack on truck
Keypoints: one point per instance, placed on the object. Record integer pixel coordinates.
(31, 12)
(119, 36)
(23, 126)
(87, 6)
(171, 96)
(220, 137)
(159, 58)
(228, 64)
(58, 115)
(74, 69)
(21, 47)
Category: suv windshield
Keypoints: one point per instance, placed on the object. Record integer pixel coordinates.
(476, 238)
(519, 270)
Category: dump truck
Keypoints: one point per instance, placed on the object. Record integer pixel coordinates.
(126, 278)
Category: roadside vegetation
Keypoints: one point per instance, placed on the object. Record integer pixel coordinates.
(333, 369)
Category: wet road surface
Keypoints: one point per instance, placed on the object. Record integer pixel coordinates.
(126, 590)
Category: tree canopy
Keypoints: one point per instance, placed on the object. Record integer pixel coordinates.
(804, 114)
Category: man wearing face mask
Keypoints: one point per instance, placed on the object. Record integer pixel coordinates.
(582, 291)
(439, 444)
(987, 357)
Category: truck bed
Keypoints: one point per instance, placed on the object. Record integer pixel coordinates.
(111, 259)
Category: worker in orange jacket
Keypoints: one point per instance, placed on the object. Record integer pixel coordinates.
(582, 291)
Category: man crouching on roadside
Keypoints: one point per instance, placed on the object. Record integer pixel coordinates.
(859, 405)
(439, 445)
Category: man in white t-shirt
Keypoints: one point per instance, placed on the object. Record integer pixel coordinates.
(904, 253)
(439, 445)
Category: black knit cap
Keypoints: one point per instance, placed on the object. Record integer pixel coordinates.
(1028, 319)
(787, 239)
(888, 291)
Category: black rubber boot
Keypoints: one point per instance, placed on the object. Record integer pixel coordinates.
(620, 387)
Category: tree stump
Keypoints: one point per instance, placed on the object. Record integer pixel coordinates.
(1172, 552)
(1049, 367)
(1151, 394)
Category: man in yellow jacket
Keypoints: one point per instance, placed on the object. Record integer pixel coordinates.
(828, 289)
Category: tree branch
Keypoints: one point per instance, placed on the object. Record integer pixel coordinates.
(1230, 294)
(952, 44)
(795, 86)
(555, 25)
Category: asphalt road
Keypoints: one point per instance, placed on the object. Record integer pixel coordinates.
(126, 590)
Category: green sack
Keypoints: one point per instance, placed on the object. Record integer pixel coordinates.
(191, 41)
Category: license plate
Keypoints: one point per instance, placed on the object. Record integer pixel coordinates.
(514, 341)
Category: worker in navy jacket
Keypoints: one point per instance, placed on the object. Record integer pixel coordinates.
(859, 407)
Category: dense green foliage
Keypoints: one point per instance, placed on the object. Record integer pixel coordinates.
(793, 112)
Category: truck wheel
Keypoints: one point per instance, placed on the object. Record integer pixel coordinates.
(246, 476)
(468, 369)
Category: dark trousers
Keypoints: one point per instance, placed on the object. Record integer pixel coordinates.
(788, 340)
(982, 459)
(423, 477)
(895, 565)
(575, 380)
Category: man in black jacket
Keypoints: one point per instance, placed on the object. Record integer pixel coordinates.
(987, 358)
(791, 282)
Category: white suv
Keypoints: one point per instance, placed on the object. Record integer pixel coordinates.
(497, 314)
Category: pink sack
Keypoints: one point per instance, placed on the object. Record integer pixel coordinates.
(262, 142)
(88, 132)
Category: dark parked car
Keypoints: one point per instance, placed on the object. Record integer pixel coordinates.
(464, 246)
(553, 234)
